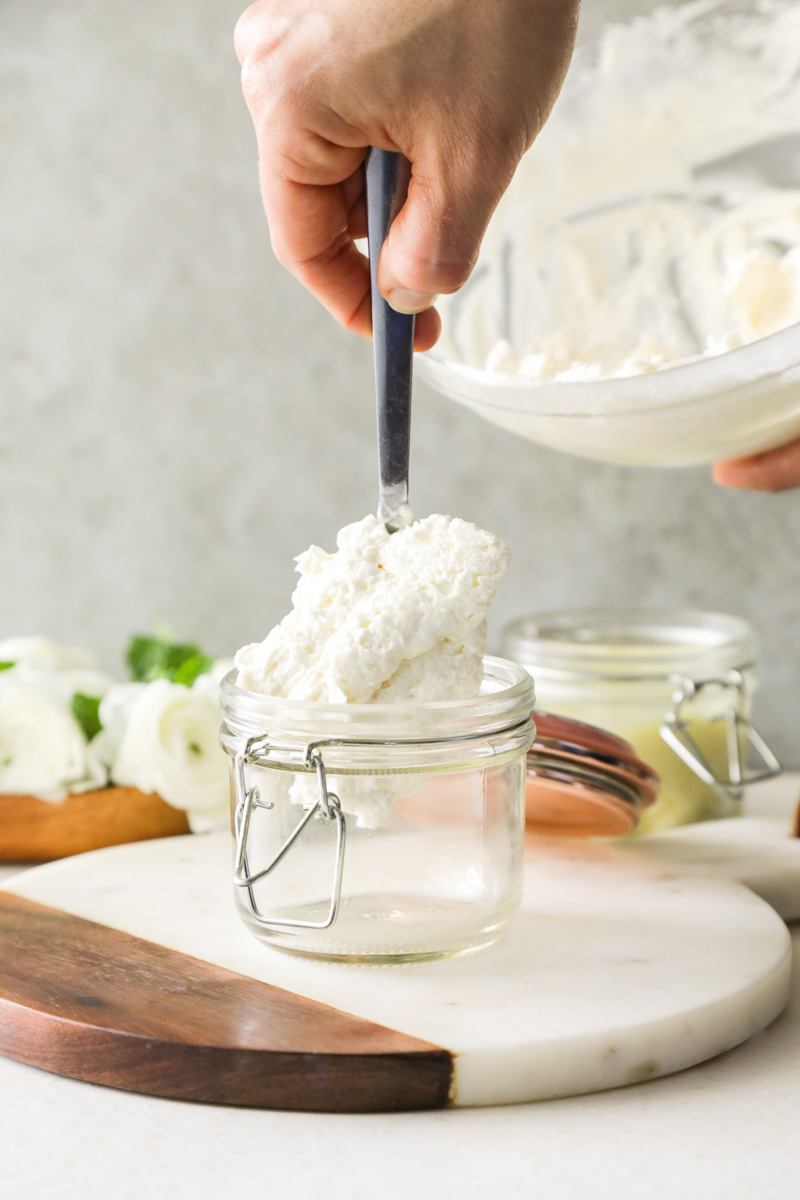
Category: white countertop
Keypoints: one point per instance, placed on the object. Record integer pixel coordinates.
(726, 1129)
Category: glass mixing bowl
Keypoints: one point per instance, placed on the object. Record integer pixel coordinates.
(739, 402)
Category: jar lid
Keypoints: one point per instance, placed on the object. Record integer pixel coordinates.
(629, 644)
(584, 781)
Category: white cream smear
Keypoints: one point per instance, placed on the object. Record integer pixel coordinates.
(388, 619)
(625, 242)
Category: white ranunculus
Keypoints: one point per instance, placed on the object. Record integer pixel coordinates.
(60, 684)
(211, 820)
(43, 750)
(115, 712)
(44, 652)
(220, 817)
(163, 737)
(87, 680)
(210, 682)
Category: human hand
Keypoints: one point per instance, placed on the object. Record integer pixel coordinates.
(461, 87)
(773, 471)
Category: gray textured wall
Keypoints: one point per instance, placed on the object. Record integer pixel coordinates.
(179, 419)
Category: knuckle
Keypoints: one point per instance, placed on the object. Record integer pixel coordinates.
(258, 29)
(274, 102)
(300, 155)
(242, 34)
(317, 163)
(252, 80)
(261, 41)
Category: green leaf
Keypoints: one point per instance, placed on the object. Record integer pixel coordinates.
(86, 711)
(5, 666)
(188, 671)
(152, 658)
(144, 655)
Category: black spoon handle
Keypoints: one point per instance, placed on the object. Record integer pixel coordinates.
(387, 178)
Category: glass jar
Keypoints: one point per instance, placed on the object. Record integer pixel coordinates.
(379, 832)
(678, 685)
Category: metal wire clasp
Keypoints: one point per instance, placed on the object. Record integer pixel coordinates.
(327, 808)
(675, 732)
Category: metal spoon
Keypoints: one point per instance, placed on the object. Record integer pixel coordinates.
(387, 177)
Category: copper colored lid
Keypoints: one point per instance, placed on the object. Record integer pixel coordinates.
(577, 733)
(584, 781)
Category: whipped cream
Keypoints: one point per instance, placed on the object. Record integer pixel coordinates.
(388, 618)
(640, 231)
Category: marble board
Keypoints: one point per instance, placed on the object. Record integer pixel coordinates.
(620, 967)
(754, 850)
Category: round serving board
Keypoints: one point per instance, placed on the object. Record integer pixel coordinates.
(129, 967)
(756, 851)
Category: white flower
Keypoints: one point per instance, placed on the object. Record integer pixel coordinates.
(210, 682)
(61, 685)
(44, 652)
(163, 737)
(43, 750)
(115, 713)
(86, 680)
(211, 820)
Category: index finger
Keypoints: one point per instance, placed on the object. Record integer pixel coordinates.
(773, 471)
(312, 227)
(310, 231)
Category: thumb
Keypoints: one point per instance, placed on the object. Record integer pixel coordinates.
(435, 238)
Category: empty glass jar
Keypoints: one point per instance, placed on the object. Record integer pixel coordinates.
(379, 832)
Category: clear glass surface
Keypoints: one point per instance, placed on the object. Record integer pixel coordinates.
(738, 403)
(433, 801)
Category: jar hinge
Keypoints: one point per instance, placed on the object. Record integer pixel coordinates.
(675, 732)
(327, 808)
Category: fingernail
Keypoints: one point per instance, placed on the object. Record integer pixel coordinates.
(404, 301)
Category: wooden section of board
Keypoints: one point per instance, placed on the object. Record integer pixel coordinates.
(90, 1002)
(32, 830)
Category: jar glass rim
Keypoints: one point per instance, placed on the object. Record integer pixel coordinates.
(630, 643)
(506, 699)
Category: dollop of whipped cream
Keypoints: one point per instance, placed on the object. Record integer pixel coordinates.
(386, 619)
(656, 220)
